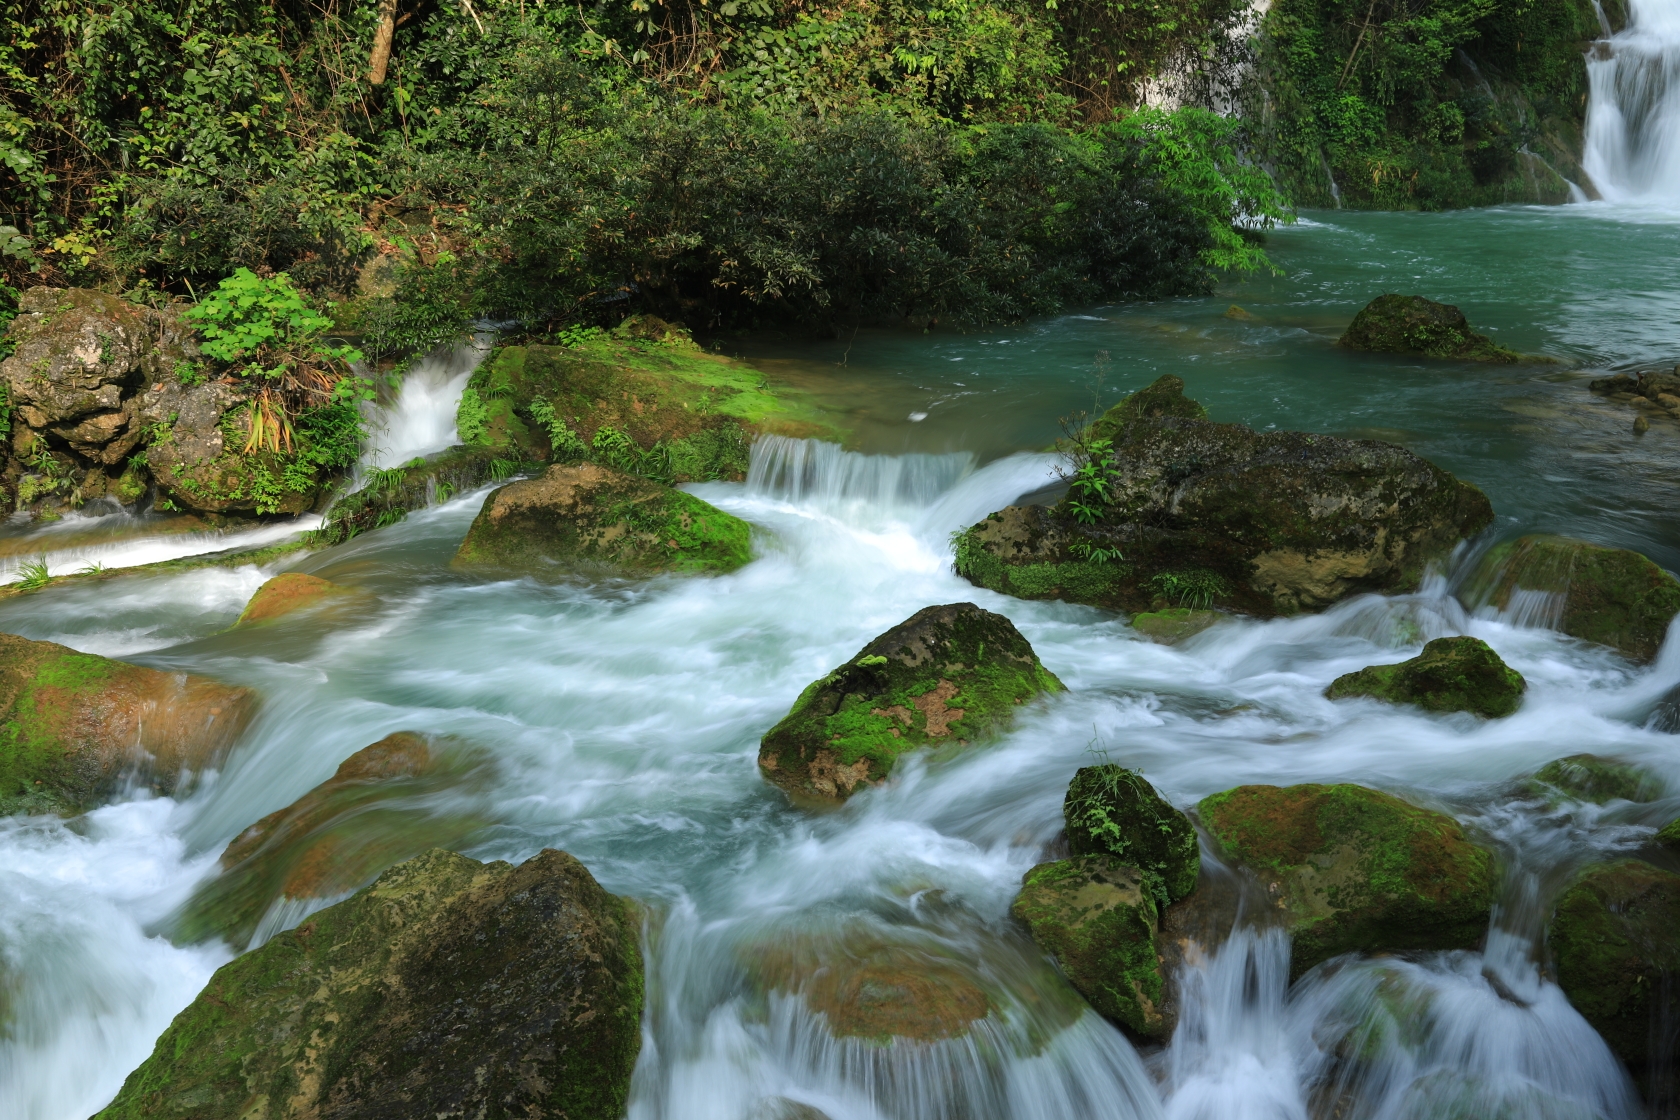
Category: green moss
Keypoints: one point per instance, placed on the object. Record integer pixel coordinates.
(1174, 624)
(41, 686)
(1450, 675)
(389, 495)
(1413, 325)
(1356, 870)
(1669, 834)
(1586, 777)
(1109, 809)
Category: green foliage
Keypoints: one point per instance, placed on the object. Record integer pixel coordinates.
(32, 575)
(564, 442)
(5, 408)
(1195, 588)
(472, 418)
(1110, 809)
(266, 324)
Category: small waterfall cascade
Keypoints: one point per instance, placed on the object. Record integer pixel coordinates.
(420, 419)
(1633, 112)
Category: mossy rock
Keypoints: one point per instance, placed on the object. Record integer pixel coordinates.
(947, 674)
(1450, 675)
(386, 803)
(1586, 777)
(1201, 514)
(1174, 624)
(1097, 916)
(1668, 836)
(74, 726)
(1355, 870)
(447, 988)
(1611, 596)
(286, 593)
(1615, 937)
(1110, 810)
(588, 517)
(390, 495)
(1395, 324)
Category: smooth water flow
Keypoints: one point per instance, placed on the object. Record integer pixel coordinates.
(1633, 113)
(420, 419)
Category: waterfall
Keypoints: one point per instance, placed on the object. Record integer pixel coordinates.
(1633, 113)
(420, 420)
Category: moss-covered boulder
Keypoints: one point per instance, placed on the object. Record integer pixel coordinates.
(1607, 595)
(286, 593)
(1615, 938)
(1197, 514)
(1668, 836)
(947, 674)
(1354, 870)
(1587, 777)
(447, 988)
(75, 726)
(1098, 917)
(390, 495)
(1172, 625)
(1450, 675)
(1110, 810)
(589, 517)
(1395, 324)
(386, 803)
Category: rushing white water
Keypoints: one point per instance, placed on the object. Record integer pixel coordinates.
(1633, 111)
(124, 541)
(420, 419)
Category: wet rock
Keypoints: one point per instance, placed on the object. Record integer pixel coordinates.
(1451, 675)
(386, 803)
(1398, 324)
(875, 990)
(947, 674)
(393, 493)
(1110, 810)
(1613, 940)
(1641, 425)
(1587, 777)
(1241, 314)
(1608, 595)
(1616, 383)
(447, 988)
(75, 726)
(285, 593)
(590, 516)
(1098, 917)
(1174, 624)
(1354, 870)
(1201, 514)
(1668, 836)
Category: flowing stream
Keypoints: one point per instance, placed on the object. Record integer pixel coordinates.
(623, 718)
(1633, 112)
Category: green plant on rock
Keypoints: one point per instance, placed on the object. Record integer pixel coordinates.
(32, 575)
(1115, 811)
(564, 442)
(1088, 488)
(1196, 588)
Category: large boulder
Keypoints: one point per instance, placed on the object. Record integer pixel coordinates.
(1615, 937)
(286, 593)
(1109, 810)
(75, 726)
(386, 803)
(1607, 595)
(590, 517)
(1200, 514)
(1354, 870)
(1450, 675)
(1397, 324)
(447, 988)
(947, 674)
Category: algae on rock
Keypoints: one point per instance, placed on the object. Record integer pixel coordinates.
(447, 988)
(1172, 625)
(1110, 810)
(1355, 870)
(1397, 324)
(951, 673)
(1451, 675)
(1587, 777)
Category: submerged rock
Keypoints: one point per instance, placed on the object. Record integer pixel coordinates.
(386, 803)
(1174, 624)
(1587, 777)
(1200, 514)
(874, 989)
(1413, 325)
(1613, 937)
(1450, 675)
(75, 726)
(1608, 595)
(447, 988)
(285, 593)
(1354, 870)
(595, 517)
(947, 674)
(1110, 810)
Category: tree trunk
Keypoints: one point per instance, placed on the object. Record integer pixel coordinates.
(381, 57)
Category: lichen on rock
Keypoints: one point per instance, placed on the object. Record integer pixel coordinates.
(1354, 870)
(1110, 810)
(1460, 674)
(1398, 324)
(947, 674)
(447, 988)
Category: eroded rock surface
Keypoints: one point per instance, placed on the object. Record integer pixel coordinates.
(1413, 325)
(1451, 675)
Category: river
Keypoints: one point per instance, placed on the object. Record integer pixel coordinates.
(624, 717)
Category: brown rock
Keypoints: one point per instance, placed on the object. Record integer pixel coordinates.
(285, 593)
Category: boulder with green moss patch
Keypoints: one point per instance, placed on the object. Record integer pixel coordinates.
(1587, 777)
(1172, 625)
(75, 726)
(1397, 324)
(1607, 595)
(1451, 675)
(1355, 870)
(1198, 514)
(447, 988)
(947, 674)
(1110, 810)
(287, 593)
(586, 517)
(1616, 939)
(1098, 917)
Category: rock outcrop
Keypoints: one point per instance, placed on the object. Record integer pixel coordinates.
(589, 517)
(1109, 810)
(447, 988)
(286, 593)
(1607, 595)
(1586, 777)
(1397, 324)
(1451, 675)
(1354, 870)
(947, 674)
(1201, 514)
(74, 727)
